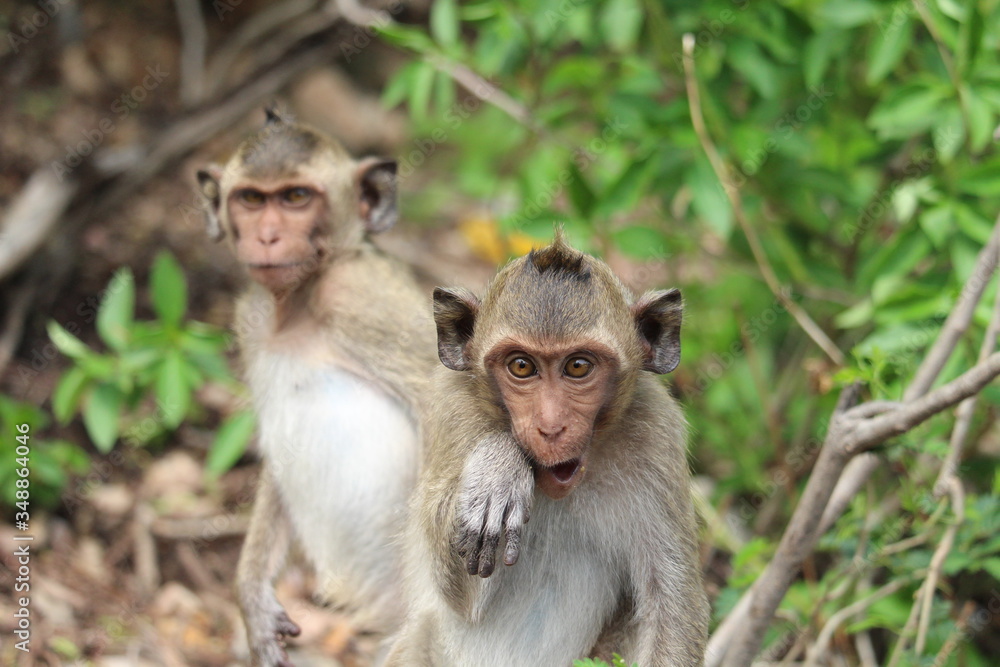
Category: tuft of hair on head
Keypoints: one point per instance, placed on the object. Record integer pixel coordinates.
(274, 114)
(560, 259)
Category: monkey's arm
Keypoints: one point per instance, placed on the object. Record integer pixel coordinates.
(261, 560)
(497, 486)
(670, 606)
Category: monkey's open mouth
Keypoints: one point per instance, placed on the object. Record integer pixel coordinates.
(282, 265)
(564, 472)
(559, 480)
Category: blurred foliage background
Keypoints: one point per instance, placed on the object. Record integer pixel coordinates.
(860, 137)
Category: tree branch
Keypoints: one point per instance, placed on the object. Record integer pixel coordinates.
(721, 170)
(846, 436)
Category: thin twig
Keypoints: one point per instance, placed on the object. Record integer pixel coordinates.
(875, 431)
(722, 173)
(957, 633)
(362, 16)
(963, 418)
(249, 33)
(937, 562)
(823, 639)
(958, 320)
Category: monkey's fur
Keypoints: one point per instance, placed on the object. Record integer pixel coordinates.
(610, 568)
(337, 344)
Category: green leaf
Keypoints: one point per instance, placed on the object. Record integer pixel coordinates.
(399, 86)
(230, 442)
(888, 48)
(641, 242)
(101, 415)
(444, 22)
(709, 199)
(970, 38)
(168, 288)
(407, 37)
(580, 193)
(982, 120)
(420, 93)
(857, 315)
(906, 111)
(67, 343)
(981, 180)
(818, 53)
(627, 189)
(66, 396)
(938, 224)
(620, 23)
(847, 13)
(747, 59)
(114, 317)
(173, 393)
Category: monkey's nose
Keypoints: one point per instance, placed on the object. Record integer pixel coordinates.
(551, 432)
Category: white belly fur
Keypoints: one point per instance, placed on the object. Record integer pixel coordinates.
(344, 456)
(519, 620)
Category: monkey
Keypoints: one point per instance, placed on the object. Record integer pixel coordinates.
(547, 406)
(337, 343)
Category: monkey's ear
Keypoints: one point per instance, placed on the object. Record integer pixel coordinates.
(211, 193)
(455, 316)
(658, 317)
(377, 187)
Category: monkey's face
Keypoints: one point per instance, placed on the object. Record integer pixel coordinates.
(555, 397)
(275, 228)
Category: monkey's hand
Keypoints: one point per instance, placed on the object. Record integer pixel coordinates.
(495, 499)
(267, 627)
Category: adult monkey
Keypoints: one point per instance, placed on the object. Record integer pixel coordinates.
(550, 407)
(337, 343)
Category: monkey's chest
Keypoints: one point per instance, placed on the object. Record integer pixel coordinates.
(565, 572)
(344, 456)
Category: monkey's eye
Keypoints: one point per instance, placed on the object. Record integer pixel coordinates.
(578, 367)
(252, 198)
(521, 367)
(297, 196)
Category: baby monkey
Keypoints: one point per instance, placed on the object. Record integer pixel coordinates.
(550, 405)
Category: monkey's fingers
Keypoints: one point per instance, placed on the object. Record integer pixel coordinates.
(517, 516)
(286, 627)
(469, 543)
(487, 556)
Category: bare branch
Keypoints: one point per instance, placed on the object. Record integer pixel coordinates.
(937, 562)
(878, 429)
(958, 320)
(249, 33)
(194, 37)
(846, 437)
(360, 15)
(721, 170)
(963, 419)
(32, 217)
(818, 647)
